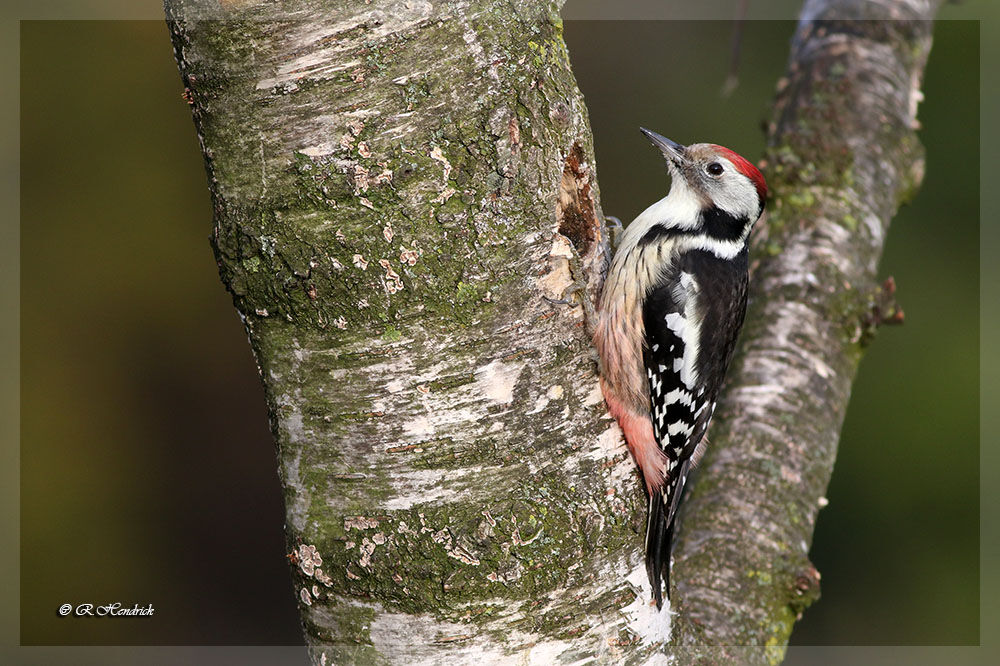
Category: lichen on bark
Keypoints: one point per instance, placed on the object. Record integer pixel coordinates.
(402, 192)
(396, 187)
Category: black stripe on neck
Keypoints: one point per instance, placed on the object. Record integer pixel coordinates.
(716, 223)
(720, 225)
(658, 232)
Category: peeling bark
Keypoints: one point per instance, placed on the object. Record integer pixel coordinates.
(400, 191)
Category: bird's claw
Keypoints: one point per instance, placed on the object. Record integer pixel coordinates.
(570, 291)
(615, 229)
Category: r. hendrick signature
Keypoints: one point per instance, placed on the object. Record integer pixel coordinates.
(107, 610)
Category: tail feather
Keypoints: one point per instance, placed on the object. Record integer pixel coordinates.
(663, 505)
(658, 537)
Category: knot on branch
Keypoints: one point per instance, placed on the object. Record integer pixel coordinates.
(881, 309)
(805, 590)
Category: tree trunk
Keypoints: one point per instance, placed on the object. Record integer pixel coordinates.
(401, 189)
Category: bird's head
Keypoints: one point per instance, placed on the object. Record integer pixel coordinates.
(712, 176)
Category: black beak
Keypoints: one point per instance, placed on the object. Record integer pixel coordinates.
(670, 149)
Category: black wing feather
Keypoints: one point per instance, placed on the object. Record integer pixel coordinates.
(681, 412)
(677, 423)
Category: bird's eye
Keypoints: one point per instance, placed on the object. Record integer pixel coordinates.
(714, 168)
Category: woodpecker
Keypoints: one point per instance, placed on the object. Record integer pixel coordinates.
(670, 311)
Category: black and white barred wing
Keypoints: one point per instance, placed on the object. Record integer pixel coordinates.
(680, 405)
(680, 399)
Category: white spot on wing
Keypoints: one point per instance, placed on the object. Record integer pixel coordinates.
(685, 290)
(678, 427)
(678, 395)
(688, 330)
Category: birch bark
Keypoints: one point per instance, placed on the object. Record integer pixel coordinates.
(398, 186)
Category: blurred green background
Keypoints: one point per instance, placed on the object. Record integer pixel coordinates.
(147, 469)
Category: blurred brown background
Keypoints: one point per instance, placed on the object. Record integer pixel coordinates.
(148, 472)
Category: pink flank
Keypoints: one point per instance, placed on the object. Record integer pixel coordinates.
(638, 430)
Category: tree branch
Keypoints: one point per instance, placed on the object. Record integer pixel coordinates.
(842, 156)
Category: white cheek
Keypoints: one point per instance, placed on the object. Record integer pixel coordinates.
(736, 195)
